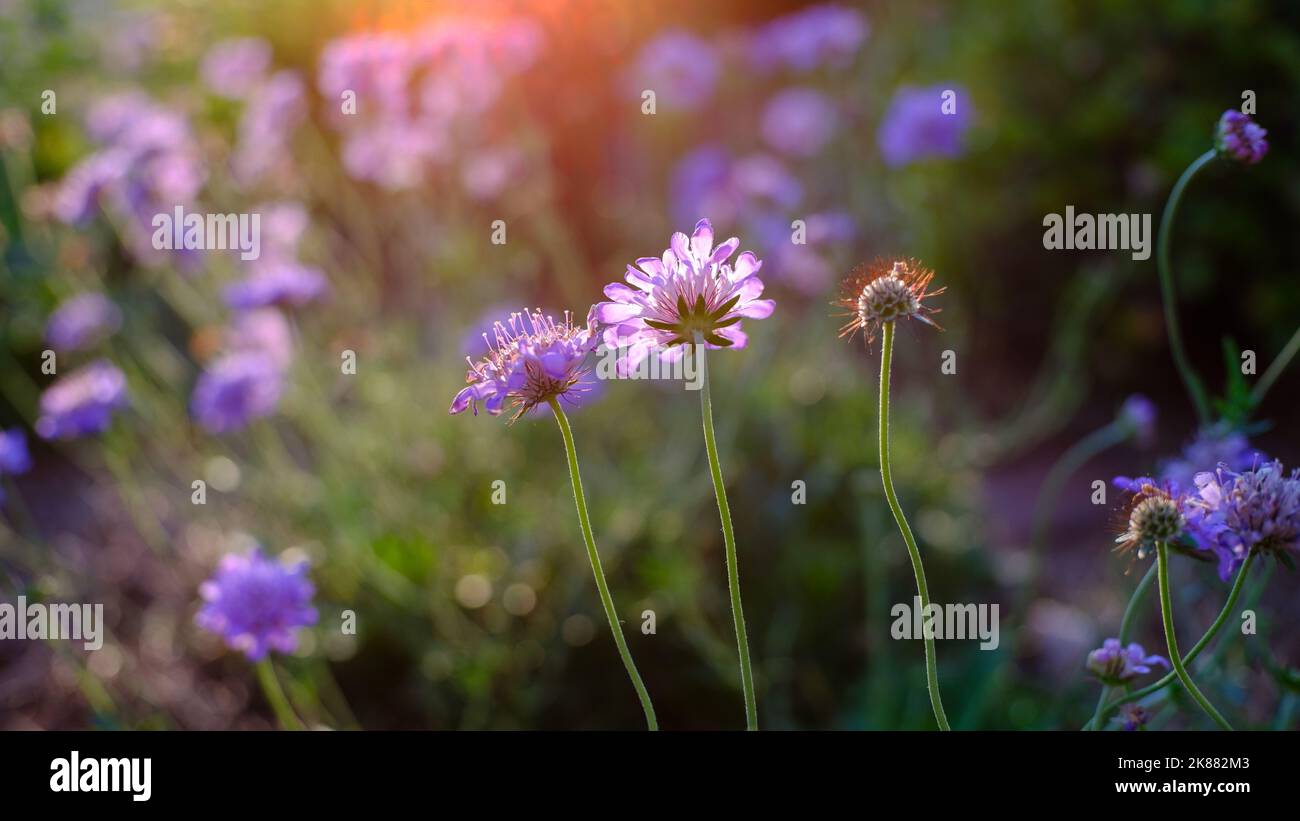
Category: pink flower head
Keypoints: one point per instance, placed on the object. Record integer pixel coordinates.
(689, 293)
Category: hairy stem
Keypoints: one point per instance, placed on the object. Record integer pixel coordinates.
(1195, 388)
(886, 477)
(606, 599)
(1167, 613)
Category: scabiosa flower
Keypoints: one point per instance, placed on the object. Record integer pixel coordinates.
(531, 359)
(1213, 446)
(81, 321)
(885, 292)
(799, 121)
(1115, 664)
(14, 456)
(257, 604)
(679, 67)
(1254, 510)
(82, 402)
(236, 389)
(690, 290)
(1240, 138)
(915, 126)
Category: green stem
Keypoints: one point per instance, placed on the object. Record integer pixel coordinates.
(275, 696)
(728, 539)
(1167, 613)
(1125, 629)
(922, 590)
(1200, 645)
(606, 599)
(1195, 388)
(1275, 370)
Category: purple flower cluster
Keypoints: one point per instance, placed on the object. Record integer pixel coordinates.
(82, 402)
(531, 359)
(1240, 138)
(827, 35)
(915, 126)
(1115, 664)
(274, 110)
(257, 604)
(147, 163)
(81, 321)
(418, 95)
(233, 68)
(680, 68)
(1212, 446)
(1253, 510)
(759, 193)
(690, 292)
(799, 121)
(277, 277)
(235, 389)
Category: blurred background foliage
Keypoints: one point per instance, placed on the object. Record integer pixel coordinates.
(477, 615)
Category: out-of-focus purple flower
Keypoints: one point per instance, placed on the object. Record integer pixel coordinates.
(233, 68)
(395, 154)
(485, 174)
(823, 35)
(710, 181)
(915, 126)
(531, 359)
(1212, 446)
(690, 290)
(81, 321)
(799, 121)
(257, 604)
(82, 402)
(277, 281)
(274, 111)
(1132, 717)
(1240, 138)
(14, 456)
(1138, 414)
(1115, 664)
(283, 224)
(680, 68)
(1254, 510)
(262, 330)
(236, 389)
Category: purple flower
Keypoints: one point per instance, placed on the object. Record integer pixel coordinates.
(257, 604)
(486, 173)
(1132, 717)
(274, 110)
(1163, 511)
(1212, 446)
(283, 224)
(1114, 664)
(81, 321)
(82, 402)
(232, 68)
(277, 281)
(262, 330)
(1257, 510)
(14, 456)
(691, 290)
(1240, 138)
(1139, 415)
(680, 68)
(915, 126)
(709, 180)
(531, 359)
(236, 389)
(799, 121)
(805, 40)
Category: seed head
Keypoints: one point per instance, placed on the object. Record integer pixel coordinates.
(883, 292)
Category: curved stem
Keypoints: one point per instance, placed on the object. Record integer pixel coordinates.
(1200, 645)
(1275, 369)
(1195, 388)
(606, 599)
(1167, 613)
(886, 477)
(728, 540)
(1125, 629)
(275, 696)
